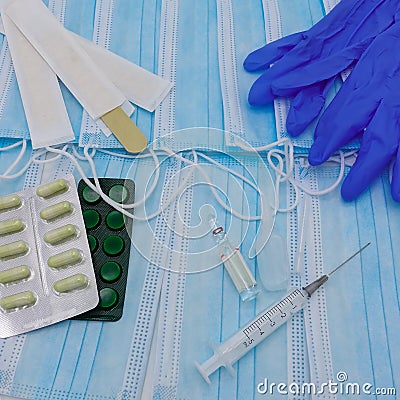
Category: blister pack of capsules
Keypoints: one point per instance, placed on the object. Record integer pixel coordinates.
(46, 272)
(108, 233)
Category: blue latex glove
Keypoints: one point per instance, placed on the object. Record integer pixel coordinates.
(306, 64)
(368, 103)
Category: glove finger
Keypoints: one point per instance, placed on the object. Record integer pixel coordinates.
(260, 93)
(304, 108)
(263, 57)
(290, 74)
(395, 185)
(329, 35)
(378, 146)
(289, 84)
(347, 115)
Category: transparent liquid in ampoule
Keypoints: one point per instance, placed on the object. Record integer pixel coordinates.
(236, 266)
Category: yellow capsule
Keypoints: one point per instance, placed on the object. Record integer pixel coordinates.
(56, 211)
(11, 226)
(19, 300)
(61, 234)
(64, 259)
(78, 281)
(9, 202)
(14, 249)
(50, 189)
(14, 274)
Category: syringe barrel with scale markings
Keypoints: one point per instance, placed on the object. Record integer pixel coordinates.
(260, 327)
(253, 333)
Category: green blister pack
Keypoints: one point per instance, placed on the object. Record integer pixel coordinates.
(108, 233)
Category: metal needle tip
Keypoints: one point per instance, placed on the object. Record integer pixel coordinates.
(348, 259)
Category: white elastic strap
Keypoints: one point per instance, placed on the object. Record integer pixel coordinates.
(282, 157)
(286, 157)
(178, 190)
(197, 166)
(97, 94)
(41, 96)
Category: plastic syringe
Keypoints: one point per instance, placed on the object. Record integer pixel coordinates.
(262, 326)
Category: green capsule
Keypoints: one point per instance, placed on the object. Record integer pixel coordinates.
(119, 193)
(61, 234)
(9, 202)
(64, 259)
(14, 274)
(50, 189)
(56, 211)
(11, 226)
(19, 300)
(13, 249)
(74, 282)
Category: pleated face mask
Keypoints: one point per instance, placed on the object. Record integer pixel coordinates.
(75, 355)
(170, 317)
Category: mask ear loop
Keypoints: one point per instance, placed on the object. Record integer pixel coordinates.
(333, 186)
(179, 189)
(117, 206)
(18, 158)
(282, 157)
(197, 166)
(95, 187)
(11, 146)
(231, 171)
(287, 156)
(6, 175)
(130, 156)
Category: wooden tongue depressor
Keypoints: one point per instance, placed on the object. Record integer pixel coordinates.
(125, 130)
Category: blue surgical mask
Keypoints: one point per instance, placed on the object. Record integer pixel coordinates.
(191, 309)
(270, 21)
(74, 355)
(362, 301)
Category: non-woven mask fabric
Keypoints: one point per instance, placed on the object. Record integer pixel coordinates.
(362, 299)
(215, 291)
(352, 315)
(75, 355)
(271, 19)
(83, 353)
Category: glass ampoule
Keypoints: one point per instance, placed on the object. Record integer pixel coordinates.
(236, 266)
